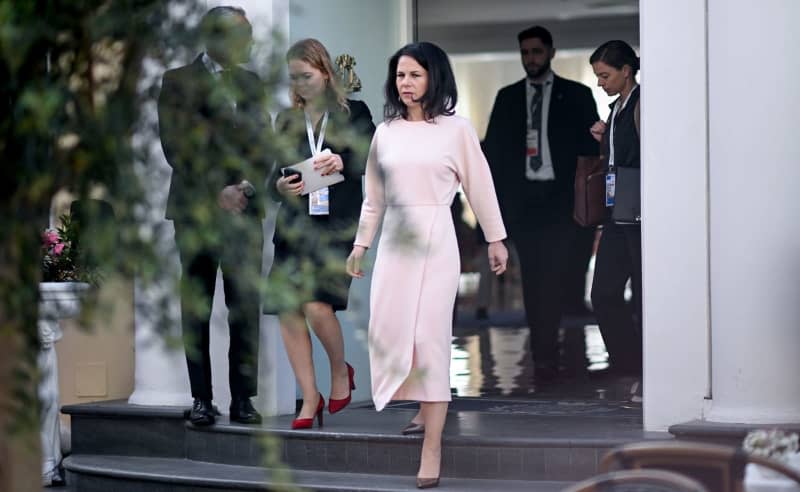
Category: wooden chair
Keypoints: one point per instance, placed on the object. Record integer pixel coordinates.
(638, 481)
(718, 468)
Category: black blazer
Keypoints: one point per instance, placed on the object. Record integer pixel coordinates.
(348, 135)
(571, 113)
(207, 142)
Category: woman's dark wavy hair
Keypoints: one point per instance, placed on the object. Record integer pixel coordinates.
(616, 54)
(441, 96)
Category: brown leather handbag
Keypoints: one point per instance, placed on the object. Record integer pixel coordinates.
(590, 191)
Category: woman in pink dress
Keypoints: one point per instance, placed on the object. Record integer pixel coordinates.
(418, 158)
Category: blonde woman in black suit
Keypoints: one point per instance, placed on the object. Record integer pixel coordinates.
(314, 232)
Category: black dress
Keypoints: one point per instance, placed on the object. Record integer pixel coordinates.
(311, 250)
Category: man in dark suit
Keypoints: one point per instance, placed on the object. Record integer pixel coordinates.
(214, 132)
(537, 129)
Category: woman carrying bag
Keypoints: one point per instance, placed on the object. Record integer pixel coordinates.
(619, 255)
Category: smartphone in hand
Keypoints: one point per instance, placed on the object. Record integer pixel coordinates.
(287, 172)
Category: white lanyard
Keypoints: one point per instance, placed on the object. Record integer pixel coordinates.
(617, 108)
(316, 146)
(318, 201)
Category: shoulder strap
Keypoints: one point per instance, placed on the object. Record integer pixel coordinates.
(636, 117)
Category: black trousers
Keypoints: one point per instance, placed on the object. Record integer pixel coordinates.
(236, 248)
(544, 253)
(619, 258)
(578, 264)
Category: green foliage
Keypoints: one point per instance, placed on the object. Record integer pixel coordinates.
(70, 101)
(78, 84)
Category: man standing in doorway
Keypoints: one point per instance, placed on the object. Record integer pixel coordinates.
(537, 129)
(213, 129)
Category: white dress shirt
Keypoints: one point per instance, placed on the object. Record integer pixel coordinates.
(545, 173)
(215, 69)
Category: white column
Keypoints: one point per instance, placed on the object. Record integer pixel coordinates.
(160, 373)
(755, 233)
(674, 209)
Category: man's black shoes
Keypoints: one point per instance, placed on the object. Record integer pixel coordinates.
(242, 411)
(202, 412)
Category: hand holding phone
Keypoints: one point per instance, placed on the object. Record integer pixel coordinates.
(293, 175)
(290, 183)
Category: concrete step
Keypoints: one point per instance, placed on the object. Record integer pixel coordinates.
(380, 448)
(483, 439)
(91, 473)
(115, 427)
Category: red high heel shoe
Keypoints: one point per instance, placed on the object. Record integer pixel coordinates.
(309, 423)
(336, 405)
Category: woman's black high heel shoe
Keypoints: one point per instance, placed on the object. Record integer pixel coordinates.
(427, 483)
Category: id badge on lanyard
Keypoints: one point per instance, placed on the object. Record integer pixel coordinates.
(318, 201)
(611, 185)
(611, 176)
(532, 142)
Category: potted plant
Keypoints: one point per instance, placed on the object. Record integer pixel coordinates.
(66, 273)
(66, 277)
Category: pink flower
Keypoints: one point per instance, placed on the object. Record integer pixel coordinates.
(50, 237)
(58, 248)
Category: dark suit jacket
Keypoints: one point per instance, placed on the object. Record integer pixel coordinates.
(571, 113)
(208, 143)
(346, 135)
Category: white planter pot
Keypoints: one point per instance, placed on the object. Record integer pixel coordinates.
(57, 300)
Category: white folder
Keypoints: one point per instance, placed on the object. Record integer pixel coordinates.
(312, 179)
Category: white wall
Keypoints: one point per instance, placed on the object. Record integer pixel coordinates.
(674, 211)
(480, 76)
(720, 233)
(755, 232)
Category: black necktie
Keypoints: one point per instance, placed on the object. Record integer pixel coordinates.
(536, 124)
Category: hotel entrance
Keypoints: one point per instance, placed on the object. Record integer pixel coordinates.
(720, 281)
(493, 353)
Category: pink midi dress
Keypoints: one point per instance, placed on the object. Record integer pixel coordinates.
(413, 172)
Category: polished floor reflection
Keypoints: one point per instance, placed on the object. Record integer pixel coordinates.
(491, 359)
